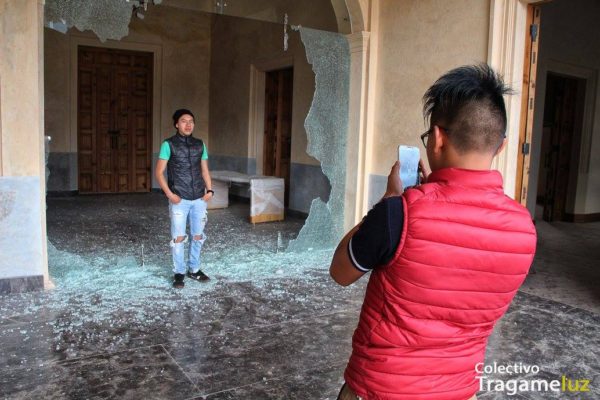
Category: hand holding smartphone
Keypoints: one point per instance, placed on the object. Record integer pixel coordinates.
(409, 157)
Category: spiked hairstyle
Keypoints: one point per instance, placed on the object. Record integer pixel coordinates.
(467, 102)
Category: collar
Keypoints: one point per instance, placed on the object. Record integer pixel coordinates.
(182, 137)
(491, 179)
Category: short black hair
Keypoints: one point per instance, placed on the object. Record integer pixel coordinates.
(178, 113)
(468, 102)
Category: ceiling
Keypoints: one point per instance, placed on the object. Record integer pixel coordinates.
(308, 13)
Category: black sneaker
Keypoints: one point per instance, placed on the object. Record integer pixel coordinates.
(178, 281)
(198, 276)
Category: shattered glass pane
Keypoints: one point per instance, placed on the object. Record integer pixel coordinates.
(109, 19)
(326, 126)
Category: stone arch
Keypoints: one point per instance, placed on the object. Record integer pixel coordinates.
(358, 11)
(350, 15)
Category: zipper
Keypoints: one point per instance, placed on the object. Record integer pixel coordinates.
(187, 143)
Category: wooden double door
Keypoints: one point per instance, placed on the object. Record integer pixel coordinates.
(114, 121)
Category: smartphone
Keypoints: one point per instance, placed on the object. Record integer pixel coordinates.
(409, 157)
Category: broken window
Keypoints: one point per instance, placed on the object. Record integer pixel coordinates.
(326, 126)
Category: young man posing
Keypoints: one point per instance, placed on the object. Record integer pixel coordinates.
(188, 189)
(446, 257)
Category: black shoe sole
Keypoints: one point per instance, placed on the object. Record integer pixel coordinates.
(198, 279)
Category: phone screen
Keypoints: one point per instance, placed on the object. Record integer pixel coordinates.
(409, 165)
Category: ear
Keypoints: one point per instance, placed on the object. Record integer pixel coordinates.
(439, 139)
(502, 146)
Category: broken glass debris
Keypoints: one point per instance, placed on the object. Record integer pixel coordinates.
(108, 19)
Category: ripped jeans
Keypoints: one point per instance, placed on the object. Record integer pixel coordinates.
(195, 211)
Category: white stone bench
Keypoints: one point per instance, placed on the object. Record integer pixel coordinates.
(266, 194)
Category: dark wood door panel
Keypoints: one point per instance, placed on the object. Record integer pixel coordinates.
(559, 116)
(86, 131)
(114, 120)
(278, 125)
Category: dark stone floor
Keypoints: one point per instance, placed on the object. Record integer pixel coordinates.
(269, 325)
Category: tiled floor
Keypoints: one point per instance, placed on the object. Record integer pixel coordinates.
(567, 262)
(267, 326)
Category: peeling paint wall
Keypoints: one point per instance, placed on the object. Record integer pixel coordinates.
(182, 38)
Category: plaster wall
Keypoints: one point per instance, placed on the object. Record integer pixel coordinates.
(299, 12)
(569, 37)
(19, 77)
(418, 41)
(242, 43)
(238, 44)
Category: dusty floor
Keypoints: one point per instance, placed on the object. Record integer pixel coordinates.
(269, 325)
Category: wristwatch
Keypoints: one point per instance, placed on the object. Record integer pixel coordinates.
(211, 191)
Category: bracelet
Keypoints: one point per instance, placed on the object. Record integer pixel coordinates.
(210, 191)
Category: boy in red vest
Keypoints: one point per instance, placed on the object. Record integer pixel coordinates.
(446, 257)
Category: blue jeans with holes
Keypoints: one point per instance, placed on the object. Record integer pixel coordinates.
(195, 212)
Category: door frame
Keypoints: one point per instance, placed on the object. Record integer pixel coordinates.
(74, 42)
(509, 29)
(283, 105)
(590, 103)
(528, 94)
(256, 110)
(506, 53)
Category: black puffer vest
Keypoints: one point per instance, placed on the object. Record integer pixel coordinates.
(184, 172)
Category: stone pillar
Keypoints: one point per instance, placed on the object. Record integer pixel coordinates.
(23, 265)
(356, 144)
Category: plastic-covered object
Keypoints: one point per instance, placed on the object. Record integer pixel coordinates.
(231, 176)
(266, 199)
(266, 194)
(220, 197)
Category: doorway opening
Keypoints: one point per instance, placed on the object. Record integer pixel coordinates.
(561, 139)
(278, 125)
(114, 120)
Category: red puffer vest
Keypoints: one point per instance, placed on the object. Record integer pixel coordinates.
(465, 250)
